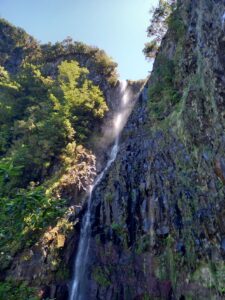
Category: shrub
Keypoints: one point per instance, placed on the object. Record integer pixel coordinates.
(100, 276)
(13, 291)
(162, 92)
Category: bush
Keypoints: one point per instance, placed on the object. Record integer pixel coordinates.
(13, 291)
(176, 25)
(162, 92)
(151, 49)
(42, 118)
(23, 218)
(100, 276)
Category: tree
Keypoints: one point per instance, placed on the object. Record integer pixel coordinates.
(81, 100)
(158, 26)
(42, 115)
(8, 91)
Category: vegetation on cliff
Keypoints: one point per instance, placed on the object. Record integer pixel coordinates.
(158, 214)
(17, 47)
(160, 211)
(158, 26)
(182, 100)
(48, 115)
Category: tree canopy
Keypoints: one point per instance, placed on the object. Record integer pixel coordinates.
(40, 119)
(158, 26)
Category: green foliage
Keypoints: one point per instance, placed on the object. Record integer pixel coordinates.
(143, 244)
(211, 275)
(46, 116)
(147, 297)
(151, 49)
(42, 117)
(118, 228)
(82, 101)
(121, 233)
(176, 25)
(106, 66)
(100, 62)
(23, 218)
(158, 26)
(162, 92)
(13, 291)
(17, 47)
(101, 277)
(8, 174)
(15, 42)
(30, 125)
(63, 273)
(109, 198)
(168, 262)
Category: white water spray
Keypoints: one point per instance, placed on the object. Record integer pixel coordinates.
(79, 281)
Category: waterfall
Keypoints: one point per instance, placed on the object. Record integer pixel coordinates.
(223, 20)
(81, 261)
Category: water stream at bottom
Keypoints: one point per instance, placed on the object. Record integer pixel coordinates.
(77, 291)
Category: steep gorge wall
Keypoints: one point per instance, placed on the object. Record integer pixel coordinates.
(47, 265)
(158, 215)
(44, 258)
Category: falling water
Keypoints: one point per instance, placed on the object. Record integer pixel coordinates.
(223, 20)
(78, 286)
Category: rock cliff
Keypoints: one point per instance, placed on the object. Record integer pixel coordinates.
(158, 215)
(37, 264)
(158, 228)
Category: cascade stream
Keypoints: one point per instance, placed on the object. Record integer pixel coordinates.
(80, 266)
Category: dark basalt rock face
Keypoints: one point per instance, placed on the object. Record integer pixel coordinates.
(158, 215)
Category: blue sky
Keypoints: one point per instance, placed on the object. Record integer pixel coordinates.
(117, 26)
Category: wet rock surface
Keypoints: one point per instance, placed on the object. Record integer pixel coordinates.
(158, 214)
(49, 263)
